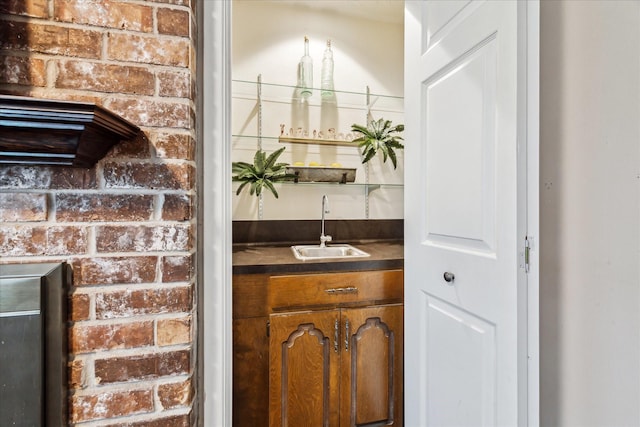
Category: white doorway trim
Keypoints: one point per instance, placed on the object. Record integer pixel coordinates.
(215, 217)
(532, 48)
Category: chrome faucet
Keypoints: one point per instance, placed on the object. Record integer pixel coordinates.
(325, 210)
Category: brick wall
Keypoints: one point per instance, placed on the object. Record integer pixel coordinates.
(127, 225)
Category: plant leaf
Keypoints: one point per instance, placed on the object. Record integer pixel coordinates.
(270, 186)
(379, 135)
(262, 173)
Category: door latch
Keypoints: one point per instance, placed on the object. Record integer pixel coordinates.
(527, 250)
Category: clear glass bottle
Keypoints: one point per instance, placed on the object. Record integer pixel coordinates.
(326, 80)
(305, 71)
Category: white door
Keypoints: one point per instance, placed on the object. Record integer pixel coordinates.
(465, 165)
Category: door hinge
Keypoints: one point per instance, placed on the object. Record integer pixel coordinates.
(527, 250)
(268, 328)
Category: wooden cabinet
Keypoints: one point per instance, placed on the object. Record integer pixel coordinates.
(333, 356)
(339, 367)
(250, 351)
(304, 371)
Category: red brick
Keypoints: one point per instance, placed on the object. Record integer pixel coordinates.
(86, 75)
(31, 177)
(174, 421)
(177, 207)
(20, 177)
(93, 271)
(25, 240)
(137, 148)
(77, 374)
(73, 179)
(23, 207)
(150, 113)
(32, 8)
(149, 176)
(22, 240)
(110, 404)
(143, 238)
(144, 301)
(87, 339)
(47, 93)
(173, 22)
(63, 240)
(155, 365)
(80, 307)
(175, 395)
(177, 2)
(148, 49)
(177, 268)
(105, 13)
(174, 83)
(103, 207)
(53, 39)
(174, 146)
(174, 331)
(22, 70)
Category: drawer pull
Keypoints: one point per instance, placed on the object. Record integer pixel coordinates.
(346, 335)
(349, 290)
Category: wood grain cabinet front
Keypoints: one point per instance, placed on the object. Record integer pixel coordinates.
(340, 367)
(318, 349)
(336, 360)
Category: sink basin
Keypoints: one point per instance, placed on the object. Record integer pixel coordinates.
(310, 252)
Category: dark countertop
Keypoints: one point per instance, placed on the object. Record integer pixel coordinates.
(260, 259)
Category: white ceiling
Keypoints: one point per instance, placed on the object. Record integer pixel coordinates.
(390, 11)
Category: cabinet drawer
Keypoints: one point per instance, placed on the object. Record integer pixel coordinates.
(335, 289)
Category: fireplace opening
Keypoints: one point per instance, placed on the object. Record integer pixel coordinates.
(33, 344)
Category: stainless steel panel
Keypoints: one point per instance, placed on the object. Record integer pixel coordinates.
(21, 371)
(33, 344)
(19, 296)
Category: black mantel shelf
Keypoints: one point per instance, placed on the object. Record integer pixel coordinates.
(64, 133)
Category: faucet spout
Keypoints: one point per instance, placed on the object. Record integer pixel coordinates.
(325, 210)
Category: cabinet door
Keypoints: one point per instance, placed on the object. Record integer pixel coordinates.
(303, 369)
(371, 366)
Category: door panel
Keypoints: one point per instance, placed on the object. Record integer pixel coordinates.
(304, 369)
(462, 350)
(438, 19)
(461, 166)
(372, 366)
(460, 102)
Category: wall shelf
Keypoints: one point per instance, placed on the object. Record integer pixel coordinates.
(313, 156)
(63, 133)
(316, 141)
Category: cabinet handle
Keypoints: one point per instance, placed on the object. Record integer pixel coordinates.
(346, 336)
(335, 335)
(349, 290)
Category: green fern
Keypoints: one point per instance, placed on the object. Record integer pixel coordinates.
(262, 173)
(379, 135)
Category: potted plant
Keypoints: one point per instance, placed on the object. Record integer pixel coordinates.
(379, 135)
(262, 173)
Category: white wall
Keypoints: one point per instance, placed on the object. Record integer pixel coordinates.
(590, 279)
(268, 39)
